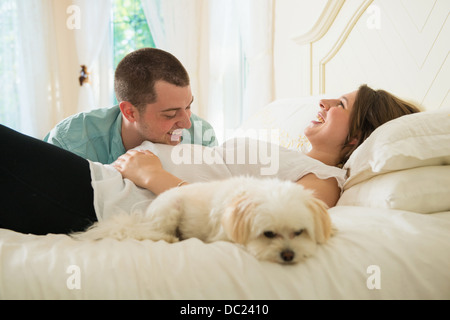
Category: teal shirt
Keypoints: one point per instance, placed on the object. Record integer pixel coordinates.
(96, 135)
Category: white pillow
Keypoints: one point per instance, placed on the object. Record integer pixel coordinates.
(416, 140)
(283, 122)
(423, 190)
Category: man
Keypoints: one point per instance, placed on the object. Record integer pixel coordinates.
(154, 94)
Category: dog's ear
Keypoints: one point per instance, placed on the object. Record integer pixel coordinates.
(322, 221)
(237, 218)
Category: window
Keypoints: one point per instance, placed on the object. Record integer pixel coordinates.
(130, 28)
(9, 55)
(129, 31)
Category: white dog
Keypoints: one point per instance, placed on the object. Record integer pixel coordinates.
(274, 220)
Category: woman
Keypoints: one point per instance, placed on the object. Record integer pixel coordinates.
(45, 189)
(342, 125)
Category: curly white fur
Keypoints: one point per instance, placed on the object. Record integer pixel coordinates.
(274, 220)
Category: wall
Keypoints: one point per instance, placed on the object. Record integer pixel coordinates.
(292, 18)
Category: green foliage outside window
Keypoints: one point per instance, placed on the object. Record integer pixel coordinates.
(130, 28)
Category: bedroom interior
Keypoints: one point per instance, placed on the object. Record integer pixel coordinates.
(393, 218)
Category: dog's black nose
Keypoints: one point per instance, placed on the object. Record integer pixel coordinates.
(287, 255)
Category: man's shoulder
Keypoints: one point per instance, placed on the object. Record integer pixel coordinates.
(195, 117)
(91, 135)
(96, 116)
(201, 132)
(95, 120)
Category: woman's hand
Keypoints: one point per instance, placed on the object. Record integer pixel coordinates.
(139, 166)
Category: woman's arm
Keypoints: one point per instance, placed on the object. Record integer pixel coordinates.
(326, 190)
(145, 170)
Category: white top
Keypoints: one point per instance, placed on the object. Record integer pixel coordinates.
(195, 163)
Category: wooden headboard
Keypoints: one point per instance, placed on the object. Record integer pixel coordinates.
(398, 45)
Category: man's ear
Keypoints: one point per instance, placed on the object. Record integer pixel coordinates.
(129, 111)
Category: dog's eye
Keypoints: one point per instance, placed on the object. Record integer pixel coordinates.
(298, 233)
(270, 234)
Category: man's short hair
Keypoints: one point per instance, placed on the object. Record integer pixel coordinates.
(137, 73)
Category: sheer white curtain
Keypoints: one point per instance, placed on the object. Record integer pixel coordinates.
(257, 34)
(176, 27)
(225, 101)
(9, 56)
(90, 34)
(226, 45)
(31, 65)
(241, 64)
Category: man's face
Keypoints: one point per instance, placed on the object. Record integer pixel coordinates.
(171, 112)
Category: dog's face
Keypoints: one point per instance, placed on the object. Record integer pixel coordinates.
(283, 225)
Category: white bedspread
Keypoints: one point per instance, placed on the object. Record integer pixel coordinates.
(376, 254)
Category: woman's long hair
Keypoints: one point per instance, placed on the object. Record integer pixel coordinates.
(371, 109)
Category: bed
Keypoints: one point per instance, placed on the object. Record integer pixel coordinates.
(392, 221)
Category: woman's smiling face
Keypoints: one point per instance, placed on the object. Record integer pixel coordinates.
(331, 128)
